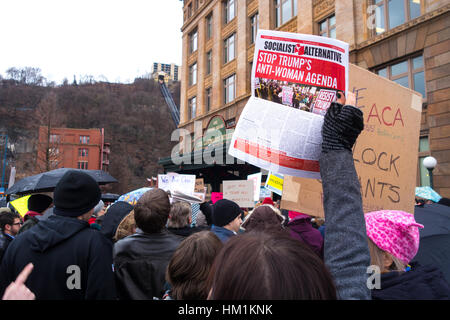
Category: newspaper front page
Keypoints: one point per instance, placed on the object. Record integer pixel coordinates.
(295, 77)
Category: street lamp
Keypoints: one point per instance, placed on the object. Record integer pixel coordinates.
(430, 163)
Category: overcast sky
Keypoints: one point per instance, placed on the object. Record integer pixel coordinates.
(119, 39)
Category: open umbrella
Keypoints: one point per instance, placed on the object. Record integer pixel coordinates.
(427, 193)
(47, 181)
(434, 245)
(133, 196)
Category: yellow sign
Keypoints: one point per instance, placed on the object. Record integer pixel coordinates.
(21, 205)
(275, 182)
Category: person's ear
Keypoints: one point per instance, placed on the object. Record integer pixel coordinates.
(8, 227)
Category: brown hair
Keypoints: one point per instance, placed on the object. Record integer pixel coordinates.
(179, 215)
(264, 218)
(262, 266)
(189, 267)
(377, 258)
(152, 210)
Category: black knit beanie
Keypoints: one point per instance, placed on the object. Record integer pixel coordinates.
(39, 202)
(75, 194)
(224, 211)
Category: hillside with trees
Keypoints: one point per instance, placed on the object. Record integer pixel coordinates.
(136, 119)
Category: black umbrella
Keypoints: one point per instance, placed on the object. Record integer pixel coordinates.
(47, 181)
(434, 247)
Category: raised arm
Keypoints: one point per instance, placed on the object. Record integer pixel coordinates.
(346, 250)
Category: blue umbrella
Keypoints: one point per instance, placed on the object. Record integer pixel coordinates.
(427, 193)
(133, 196)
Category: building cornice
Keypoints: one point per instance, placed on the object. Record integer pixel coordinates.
(398, 30)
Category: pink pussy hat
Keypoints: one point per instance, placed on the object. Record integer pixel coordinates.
(395, 232)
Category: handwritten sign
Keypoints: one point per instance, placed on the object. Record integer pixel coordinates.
(199, 186)
(239, 191)
(385, 153)
(180, 182)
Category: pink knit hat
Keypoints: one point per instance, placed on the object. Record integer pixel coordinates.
(395, 232)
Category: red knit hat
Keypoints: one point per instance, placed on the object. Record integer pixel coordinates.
(268, 201)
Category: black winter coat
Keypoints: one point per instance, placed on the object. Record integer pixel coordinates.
(4, 243)
(140, 263)
(420, 283)
(61, 248)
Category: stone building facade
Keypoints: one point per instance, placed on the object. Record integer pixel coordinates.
(407, 41)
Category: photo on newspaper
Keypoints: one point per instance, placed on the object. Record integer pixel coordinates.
(295, 78)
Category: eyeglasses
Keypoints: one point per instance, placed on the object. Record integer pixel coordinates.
(18, 223)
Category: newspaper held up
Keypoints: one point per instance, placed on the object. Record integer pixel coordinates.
(295, 77)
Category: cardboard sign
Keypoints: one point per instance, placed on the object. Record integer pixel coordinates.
(256, 178)
(216, 196)
(199, 186)
(239, 191)
(385, 153)
(180, 182)
(275, 182)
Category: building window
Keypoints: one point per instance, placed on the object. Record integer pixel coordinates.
(424, 151)
(327, 27)
(409, 73)
(54, 138)
(193, 41)
(83, 165)
(208, 62)
(189, 10)
(84, 139)
(208, 99)
(230, 10)
(209, 26)
(192, 107)
(83, 152)
(193, 74)
(285, 10)
(392, 13)
(229, 49)
(254, 22)
(229, 89)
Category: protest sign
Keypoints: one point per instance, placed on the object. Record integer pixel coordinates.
(264, 193)
(256, 178)
(280, 128)
(239, 191)
(385, 153)
(274, 183)
(184, 183)
(216, 196)
(199, 186)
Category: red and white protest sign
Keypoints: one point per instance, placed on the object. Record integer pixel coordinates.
(295, 78)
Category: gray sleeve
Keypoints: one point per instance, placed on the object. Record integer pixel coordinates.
(346, 250)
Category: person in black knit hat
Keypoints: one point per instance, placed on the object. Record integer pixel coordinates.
(71, 260)
(37, 205)
(226, 218)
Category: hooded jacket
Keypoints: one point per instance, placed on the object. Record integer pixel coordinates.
(422, 283)
(140, 263)
(71, 261)
(301, 228)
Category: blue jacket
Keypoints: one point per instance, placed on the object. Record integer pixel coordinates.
(222, 233)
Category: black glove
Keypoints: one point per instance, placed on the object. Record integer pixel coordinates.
(341, 126)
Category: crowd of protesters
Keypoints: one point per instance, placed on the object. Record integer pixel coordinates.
(151, 250)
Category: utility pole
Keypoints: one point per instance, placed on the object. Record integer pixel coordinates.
(5, 136)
